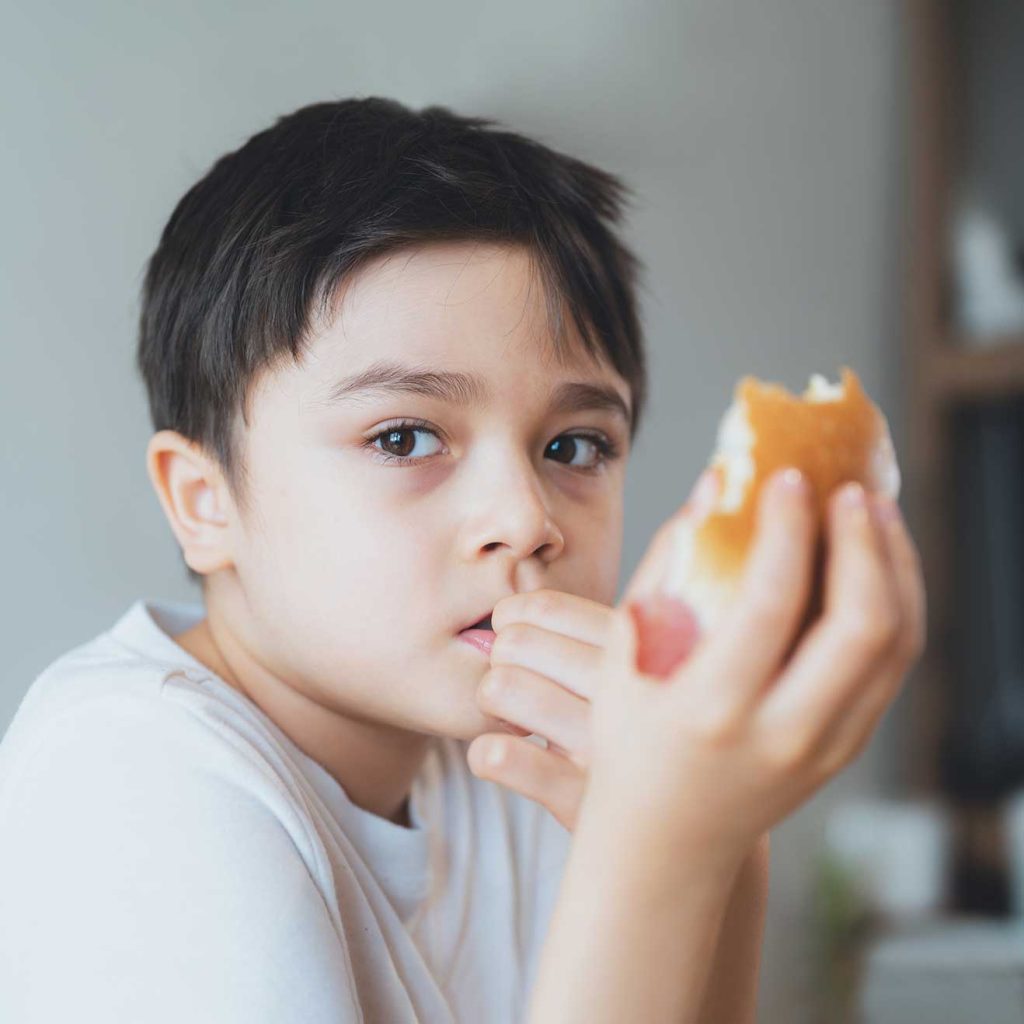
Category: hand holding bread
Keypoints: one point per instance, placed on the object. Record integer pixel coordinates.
(767, 695)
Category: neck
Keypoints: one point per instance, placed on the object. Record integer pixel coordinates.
(373, 762)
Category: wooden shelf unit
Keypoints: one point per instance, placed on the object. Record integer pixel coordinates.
(961, 372)
(944, 371)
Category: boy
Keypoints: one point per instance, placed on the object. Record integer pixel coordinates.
(395, 368)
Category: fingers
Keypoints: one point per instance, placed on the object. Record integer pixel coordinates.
(849, 733)
(538, 774)
(514, 728)
(857, 722)
(909, 579)
(528, 700)
(620, 655)
(561, 658)
(554, 610)
(857, 650)
(747, 646)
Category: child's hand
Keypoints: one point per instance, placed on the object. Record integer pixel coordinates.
(752, 723)
(556, 647)
(546, 655)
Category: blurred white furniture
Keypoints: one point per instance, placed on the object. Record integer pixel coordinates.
(951, 971)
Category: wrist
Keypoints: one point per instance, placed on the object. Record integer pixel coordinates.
(655, 851)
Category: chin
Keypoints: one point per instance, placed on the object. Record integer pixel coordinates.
(467, 726)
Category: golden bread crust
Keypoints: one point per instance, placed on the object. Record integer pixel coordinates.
(830, 441)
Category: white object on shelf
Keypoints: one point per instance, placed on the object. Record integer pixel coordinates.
(990, 292)
(897, 850)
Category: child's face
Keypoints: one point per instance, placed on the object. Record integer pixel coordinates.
(354, 576)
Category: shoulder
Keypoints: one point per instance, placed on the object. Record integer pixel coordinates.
(133, 738)
(145, 853)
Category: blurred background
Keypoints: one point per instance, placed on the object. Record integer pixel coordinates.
(818, 183)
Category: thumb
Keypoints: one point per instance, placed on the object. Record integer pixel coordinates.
(547, 778)
(652, 635)
(667, 630)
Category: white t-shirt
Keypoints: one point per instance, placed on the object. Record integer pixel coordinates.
(167, 853)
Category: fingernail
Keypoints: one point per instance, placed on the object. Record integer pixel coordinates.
(792, 481)
(852, 496)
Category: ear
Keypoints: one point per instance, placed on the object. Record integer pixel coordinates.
(195, 499)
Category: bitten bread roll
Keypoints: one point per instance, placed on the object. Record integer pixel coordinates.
(834, 433)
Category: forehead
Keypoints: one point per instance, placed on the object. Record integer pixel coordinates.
(472, 306)
(439, 285)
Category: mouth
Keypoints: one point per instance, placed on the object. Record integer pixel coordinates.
(481, 623)
(480, 635)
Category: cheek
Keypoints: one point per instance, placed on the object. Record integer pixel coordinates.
(340, 573)
(602, 540)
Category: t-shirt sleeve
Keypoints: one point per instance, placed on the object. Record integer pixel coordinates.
(138, 883)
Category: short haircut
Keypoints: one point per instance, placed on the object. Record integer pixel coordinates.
(258, 247)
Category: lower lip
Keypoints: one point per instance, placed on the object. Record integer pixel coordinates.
(481, 639)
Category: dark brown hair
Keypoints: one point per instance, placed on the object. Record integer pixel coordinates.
(258, 246)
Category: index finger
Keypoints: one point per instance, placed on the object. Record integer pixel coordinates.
(573, 616)
(750, 642)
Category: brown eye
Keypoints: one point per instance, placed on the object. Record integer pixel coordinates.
(398, 443)
(393, 442)
(568, 446)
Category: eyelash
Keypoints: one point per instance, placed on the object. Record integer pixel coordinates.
(608, 450)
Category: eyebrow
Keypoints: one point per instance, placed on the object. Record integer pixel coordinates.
(466, 389)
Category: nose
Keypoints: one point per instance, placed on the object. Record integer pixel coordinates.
(515, 515)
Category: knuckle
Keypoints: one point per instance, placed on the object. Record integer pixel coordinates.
(788, 753)
(505, 610)
(542, 603)
(833, 763)
(494, 686)
(507, 641)
(894, 624)
(767, 608)
(911, 645)
(867, 628)
(718, 725)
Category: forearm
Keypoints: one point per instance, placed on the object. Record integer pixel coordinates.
(634, 932)
(731, 993)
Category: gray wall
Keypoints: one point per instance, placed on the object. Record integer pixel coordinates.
(763, 139)
(989, 33)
